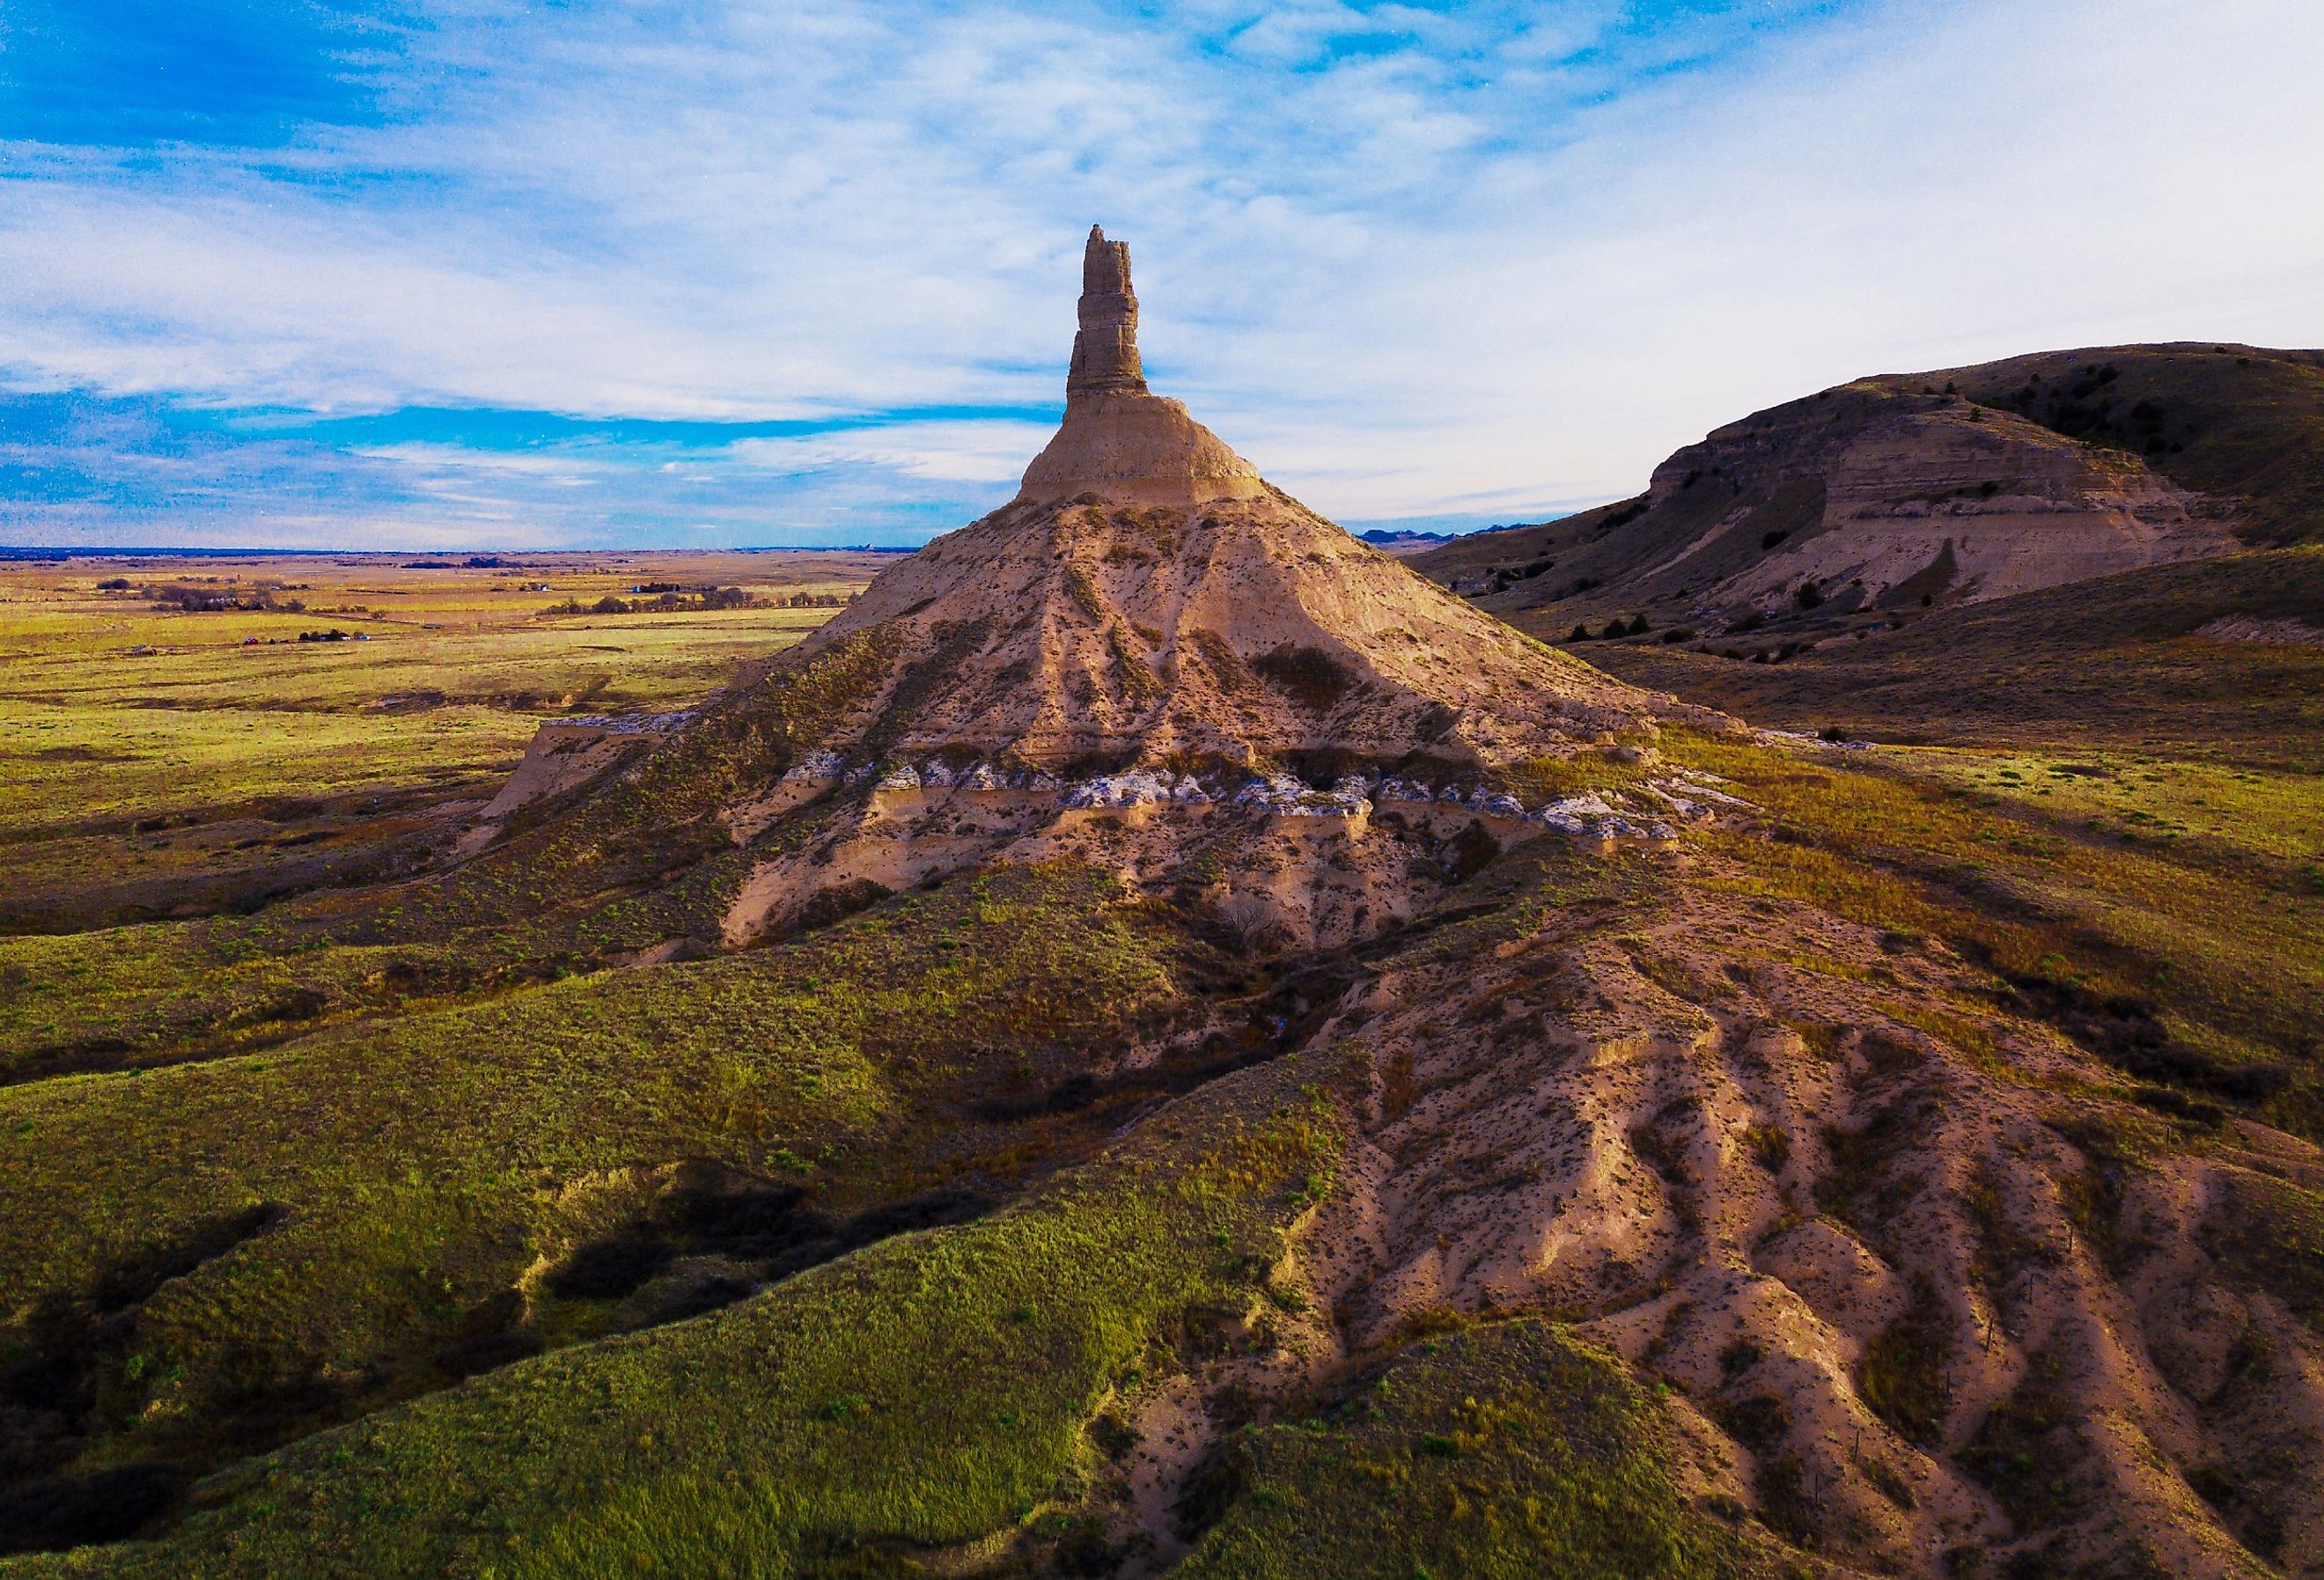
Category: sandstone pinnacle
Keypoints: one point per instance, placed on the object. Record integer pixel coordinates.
(1119, 442)
(1105, 348)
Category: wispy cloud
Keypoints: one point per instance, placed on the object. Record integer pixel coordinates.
(1483, 261)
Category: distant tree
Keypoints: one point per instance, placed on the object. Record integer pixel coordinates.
(1581, 633)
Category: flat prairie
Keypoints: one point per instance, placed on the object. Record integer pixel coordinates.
(160, 757)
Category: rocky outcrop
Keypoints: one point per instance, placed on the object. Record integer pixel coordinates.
(1105, 347)
(1147, 595)
(1884, 493)
(1119, 442)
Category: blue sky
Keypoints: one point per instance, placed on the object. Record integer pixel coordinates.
(491, 275)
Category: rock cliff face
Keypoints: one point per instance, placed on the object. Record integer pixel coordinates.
(1882, 494)
(1154, 652)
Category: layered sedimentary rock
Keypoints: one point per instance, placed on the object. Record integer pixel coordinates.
(1105, 347)
(1119, 442)
(1881, 493)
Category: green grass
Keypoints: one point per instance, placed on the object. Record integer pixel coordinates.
(810, 1419)
(2269, 1237)
(2215, 934)
(131, 782)
(421, 1166)
(1507, 1450)
(171, 991)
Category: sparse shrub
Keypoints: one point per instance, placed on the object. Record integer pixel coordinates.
(1810, 596)
(1769, 1147)
(1312, 677)
(1435, 721)
(1889, 1483)
(1758, 1423)
(1902, 1376)
(1084, 593)
(2016, 1454)
(1769, 540)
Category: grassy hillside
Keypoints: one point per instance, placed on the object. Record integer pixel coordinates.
(208, 1258)
(1506, 1450)
(799, 1433)
(2122, 662)
(2239, 424)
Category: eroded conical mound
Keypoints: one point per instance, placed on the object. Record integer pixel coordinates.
(1148, 593)
(1244, 630)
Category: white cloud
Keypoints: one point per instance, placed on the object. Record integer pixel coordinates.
(1482, 262)
(967, 450)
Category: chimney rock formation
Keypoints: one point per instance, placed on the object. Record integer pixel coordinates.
(1119, 443)
(1105, 349)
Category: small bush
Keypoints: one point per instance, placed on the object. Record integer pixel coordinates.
(1770, 1147)
(1903, 1377)
(1309, 675)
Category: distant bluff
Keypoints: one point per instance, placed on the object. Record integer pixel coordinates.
(1902, 491)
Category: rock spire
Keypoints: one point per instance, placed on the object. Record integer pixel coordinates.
(1105, 348)
(1119, 442)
